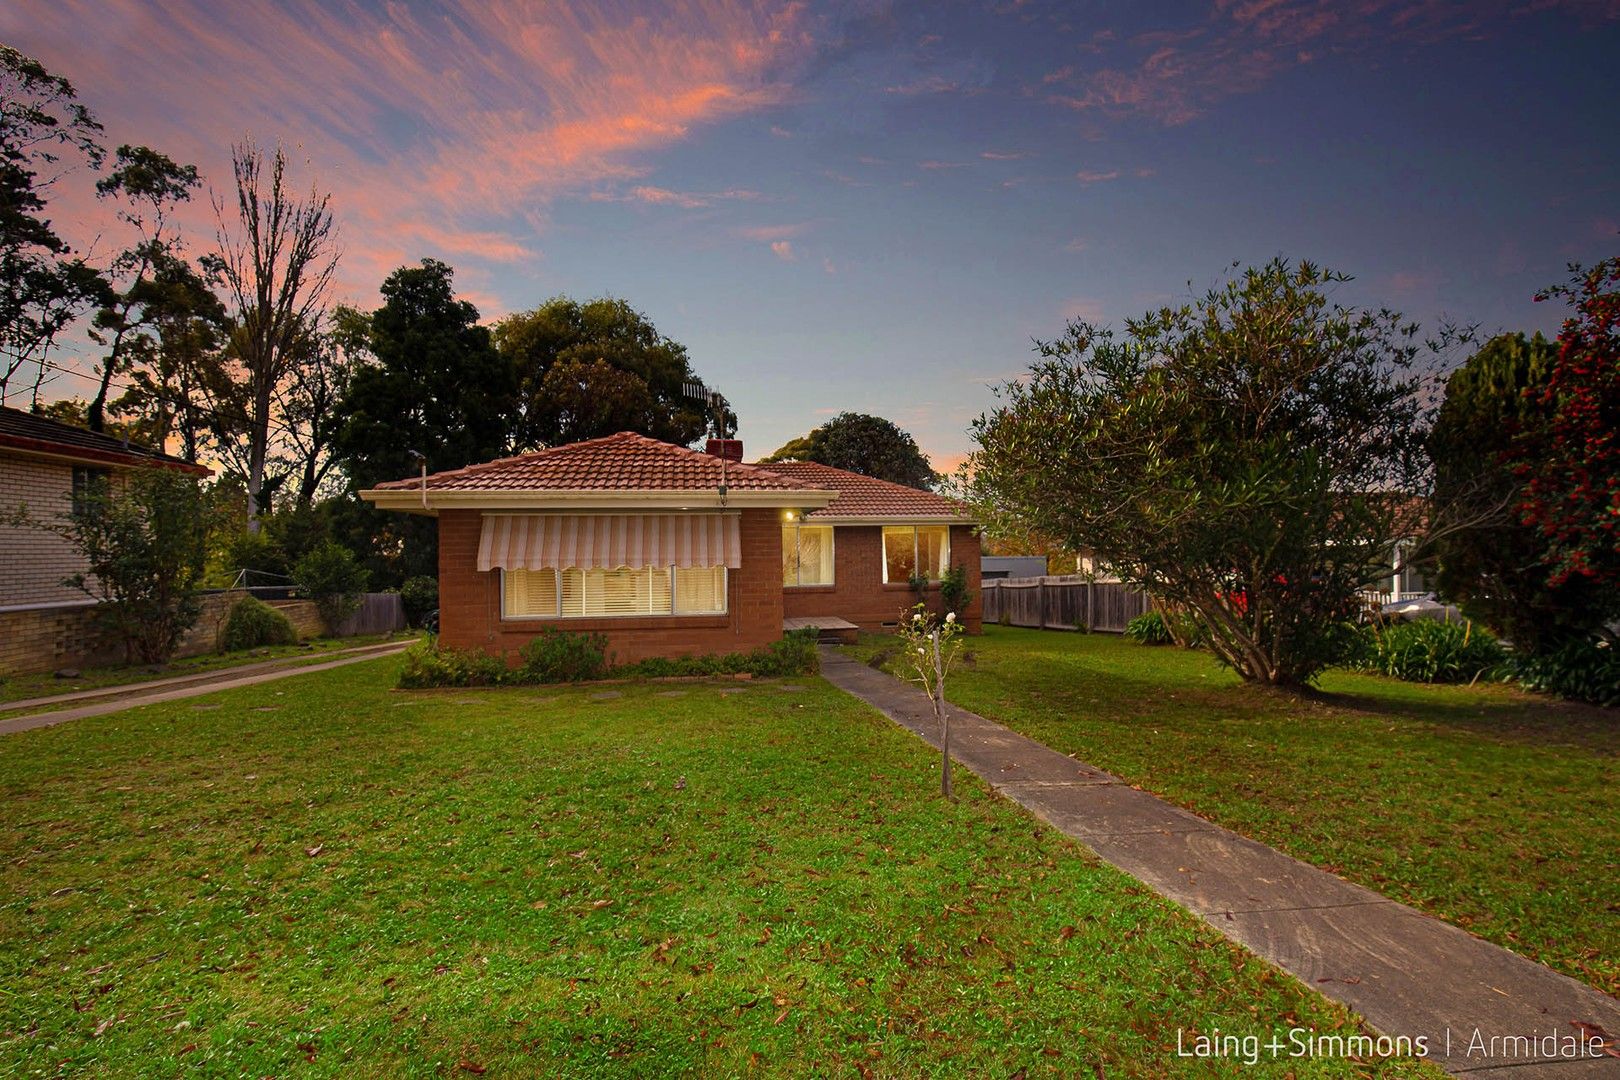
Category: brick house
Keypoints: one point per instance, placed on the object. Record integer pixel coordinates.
(44, 465)
(672, 552)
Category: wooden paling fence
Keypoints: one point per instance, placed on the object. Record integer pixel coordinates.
(1062, 603)
(379, 613)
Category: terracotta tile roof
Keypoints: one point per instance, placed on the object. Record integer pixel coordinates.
(25, 431)
(865, 496)
(622, 462)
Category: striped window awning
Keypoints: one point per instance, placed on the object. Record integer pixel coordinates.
(607, 541)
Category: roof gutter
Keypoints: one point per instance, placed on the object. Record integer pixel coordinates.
(64, 452)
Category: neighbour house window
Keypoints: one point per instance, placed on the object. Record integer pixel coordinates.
(1410, 578)
(87, 481)
(807, 555)
(574, 593)
(912, 550)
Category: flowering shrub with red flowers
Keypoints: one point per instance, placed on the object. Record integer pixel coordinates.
(1571, 462)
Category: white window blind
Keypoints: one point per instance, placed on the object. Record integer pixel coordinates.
(700, 590)
(576, 593)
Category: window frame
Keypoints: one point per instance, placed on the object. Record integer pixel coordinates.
(916, 550)
(672, 613)
(832, 558)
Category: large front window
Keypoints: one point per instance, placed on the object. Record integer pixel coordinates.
(807, 555)
(915, 551)
(627, 591)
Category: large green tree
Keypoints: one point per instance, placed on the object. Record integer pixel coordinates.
(1495, 567)
(1250, 455)
(594, 368)
(869, 445)
(433, 385)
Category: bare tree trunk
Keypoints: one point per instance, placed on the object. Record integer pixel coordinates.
(277, 266)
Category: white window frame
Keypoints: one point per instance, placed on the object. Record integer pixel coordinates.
(883, 543)
(832, 543)
(674, 602)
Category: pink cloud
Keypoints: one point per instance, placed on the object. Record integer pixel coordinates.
(1004, 155)
(1096, 176)
(444, 129)
(783, 249)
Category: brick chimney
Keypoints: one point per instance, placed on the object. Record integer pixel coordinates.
(728, 449)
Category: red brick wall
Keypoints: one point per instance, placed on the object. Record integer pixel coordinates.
(470, 601)
(858, 592)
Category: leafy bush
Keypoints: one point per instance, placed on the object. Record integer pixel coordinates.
(253, 623)
(330, 576)
(953, 590)
(554, 655)
(143, 547)
(1148, 629)
(1424, 650)
(1587, 670)
(427, 666)
(795, 654)
(420, 596)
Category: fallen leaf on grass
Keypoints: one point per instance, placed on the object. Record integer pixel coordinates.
(104, 1025)
(314, 851)
(472, 1067)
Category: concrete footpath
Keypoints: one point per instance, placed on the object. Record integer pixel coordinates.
(131, 695)
(1406, 972)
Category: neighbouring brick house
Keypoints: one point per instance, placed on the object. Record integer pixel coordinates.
(672, 552)
(43, 466)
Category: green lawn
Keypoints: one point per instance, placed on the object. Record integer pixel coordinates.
(1489, 807)
(46, 684)
(321, 876)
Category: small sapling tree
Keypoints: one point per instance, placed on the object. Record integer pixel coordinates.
(932, 645)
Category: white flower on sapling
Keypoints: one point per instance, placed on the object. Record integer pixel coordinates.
(950, 616)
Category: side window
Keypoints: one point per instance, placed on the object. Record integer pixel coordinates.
(88, 483)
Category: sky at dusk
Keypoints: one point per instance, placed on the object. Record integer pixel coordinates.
(876, 206)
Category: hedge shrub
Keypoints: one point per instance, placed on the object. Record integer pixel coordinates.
(795, 654)
(427, 667)
(253, 623)
(331, 576)
(420, 595)
(555, 655)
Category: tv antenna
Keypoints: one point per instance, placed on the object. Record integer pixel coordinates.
(717, 411)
